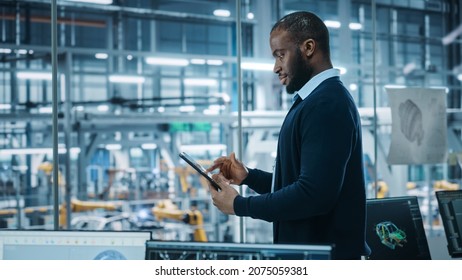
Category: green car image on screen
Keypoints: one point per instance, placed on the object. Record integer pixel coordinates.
(390, 235)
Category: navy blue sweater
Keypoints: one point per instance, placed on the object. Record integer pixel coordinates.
(319, 194)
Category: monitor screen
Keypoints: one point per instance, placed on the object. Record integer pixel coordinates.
(450, 207)
(168, 250)
(72, 245)
(395, 229)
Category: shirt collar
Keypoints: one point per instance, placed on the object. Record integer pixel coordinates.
(314, 82)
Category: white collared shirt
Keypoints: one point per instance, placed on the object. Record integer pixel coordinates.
(314, 82)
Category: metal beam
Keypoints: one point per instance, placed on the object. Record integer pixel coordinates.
(142, 12)
(24, 116)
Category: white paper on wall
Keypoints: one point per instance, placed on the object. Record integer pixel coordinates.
(418, 134)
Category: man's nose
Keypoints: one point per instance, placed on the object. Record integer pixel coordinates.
(276, 68)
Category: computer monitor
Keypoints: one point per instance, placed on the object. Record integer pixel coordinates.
(450, 207)
(169, 250)
(72, 245)
(395, 229)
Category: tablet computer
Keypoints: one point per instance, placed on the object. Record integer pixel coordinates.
(199, 168)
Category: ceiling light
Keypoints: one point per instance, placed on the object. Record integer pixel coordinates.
(36, 151)
(394, 86)
(200, 82)
(161, 109)
(187, 109)
(21, 51)
(167, 61)
(215, 107)
(459, 77)
(258, 66)
(129, 57)
(27, 151)
(205, 147)
(103, 108)
(353, 87)
(221, 13)
(45, 110)
(101, 2)
(198, 61)
(332, 23)
(216, 62)
(113, 147)
(26, 75)
(210, 112)
(5, 106)
(101, 55)
(355, 26)
(124, 79)
(250, 16)
(5, 50)
(149, 146)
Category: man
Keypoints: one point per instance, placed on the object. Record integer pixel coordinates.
(316, 193)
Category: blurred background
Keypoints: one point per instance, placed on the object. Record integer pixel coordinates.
(140, 81)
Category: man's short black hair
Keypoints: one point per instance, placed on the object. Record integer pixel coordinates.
(303, 26)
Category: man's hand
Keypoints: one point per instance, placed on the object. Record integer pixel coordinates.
(231, 168)
(223, 200)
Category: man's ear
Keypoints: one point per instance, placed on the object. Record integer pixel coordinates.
(308, 47)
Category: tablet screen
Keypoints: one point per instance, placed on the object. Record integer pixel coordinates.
(199, 168)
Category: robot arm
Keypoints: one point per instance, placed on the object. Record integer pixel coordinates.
(82, 206)
(167, 210)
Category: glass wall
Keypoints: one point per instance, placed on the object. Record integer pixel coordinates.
(141, 81)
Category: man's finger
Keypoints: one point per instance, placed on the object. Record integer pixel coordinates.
(216, 164)
(212, 190)
(232, 156)
(219, 178)
(213, 167)
(220, 160)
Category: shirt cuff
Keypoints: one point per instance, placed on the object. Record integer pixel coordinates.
(248, 180)
(240, 205)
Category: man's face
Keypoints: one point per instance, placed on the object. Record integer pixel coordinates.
(290, 64)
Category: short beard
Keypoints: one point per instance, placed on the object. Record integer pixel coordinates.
(301, 74)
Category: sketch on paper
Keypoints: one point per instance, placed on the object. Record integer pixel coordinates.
(411, 121)
(418, 130)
